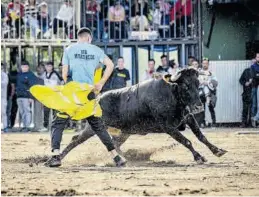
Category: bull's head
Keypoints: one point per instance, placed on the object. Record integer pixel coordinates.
(186, 83)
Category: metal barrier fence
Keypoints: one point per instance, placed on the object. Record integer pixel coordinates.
(110, 20)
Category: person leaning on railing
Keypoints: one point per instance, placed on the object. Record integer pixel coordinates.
(64, 18)
(136, 18)
(116, 17)
(43, 17)
(14, 14)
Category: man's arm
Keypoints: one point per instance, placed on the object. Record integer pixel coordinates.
(108, 71)
(64, 72)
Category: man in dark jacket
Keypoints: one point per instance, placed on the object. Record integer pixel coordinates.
(25, 79)
(246, 96)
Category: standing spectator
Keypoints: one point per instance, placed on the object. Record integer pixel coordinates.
(157, 16)
(14, 15)
(148, 74)
(246, 96)
(120, 76)
(195, 64)
(165, 10)
(208, 84)
(4, 84)
(64, 18)
(116, 17)
(38, 107)
(92, 10)
(164, 68)
(190, 60)
(31, 13)
(137, 21)
(51, 78)
(25, 80)
(12, 99)
(180, 11)
(255, 83)
(43, 18)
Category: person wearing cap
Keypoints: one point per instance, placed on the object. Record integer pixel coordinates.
(25, 80)
(208, 85)
(82, 59)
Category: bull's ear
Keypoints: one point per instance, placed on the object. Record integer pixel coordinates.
(167, 77)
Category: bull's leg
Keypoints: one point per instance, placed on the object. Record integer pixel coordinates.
(76, 140)
(196, 130)
(184, 141)
(119, 140)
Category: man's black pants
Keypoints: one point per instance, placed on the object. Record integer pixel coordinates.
(246, 113)
(96, 123)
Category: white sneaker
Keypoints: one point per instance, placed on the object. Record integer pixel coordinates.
(43, 130)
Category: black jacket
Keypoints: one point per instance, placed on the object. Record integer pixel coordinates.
(245, 77)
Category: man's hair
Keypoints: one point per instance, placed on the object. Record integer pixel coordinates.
(205, 59)
(25, 63)
(120, 57)
(163, 56)
(84, 30)
(152, 60)
(50, 63)
(191, 57)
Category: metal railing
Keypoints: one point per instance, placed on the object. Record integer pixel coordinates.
(110, 20)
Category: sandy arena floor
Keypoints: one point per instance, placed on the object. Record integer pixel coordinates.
(157, 166)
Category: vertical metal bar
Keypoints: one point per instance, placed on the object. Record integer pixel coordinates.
(183, 55)
(135, 66)
(98, 24)
(109, 22)
(200, 30)
(74, 20)
(20, 57)
(84, 12)
(167, 54)
(142, 28)
(151, 51)
(121, 50)
(185, 20)
(4, 54)
(49, 52)
(34, 56)
(130, 17)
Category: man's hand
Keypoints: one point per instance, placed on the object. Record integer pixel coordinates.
(98, 87)
(247, 84)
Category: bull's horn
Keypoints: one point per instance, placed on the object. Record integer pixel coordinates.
(175, 77)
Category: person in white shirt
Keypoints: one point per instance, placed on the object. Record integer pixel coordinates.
(64, 18)
(149, 73)
(4, 84)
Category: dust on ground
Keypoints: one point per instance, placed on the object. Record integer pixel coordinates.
(157, 165)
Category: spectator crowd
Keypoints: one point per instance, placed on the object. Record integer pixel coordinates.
(112, 20)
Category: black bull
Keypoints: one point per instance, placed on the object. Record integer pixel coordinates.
(155, 106)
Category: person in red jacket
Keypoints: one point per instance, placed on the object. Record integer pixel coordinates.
(181, 10)
(14, 14)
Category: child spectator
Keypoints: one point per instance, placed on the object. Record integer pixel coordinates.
(137, 21)
(25, 80)
(14, 15)
(31, 13)
(51, 78)
(64, 18)
(117, 20)
(43, 17)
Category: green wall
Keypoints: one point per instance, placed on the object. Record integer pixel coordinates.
(234, 26)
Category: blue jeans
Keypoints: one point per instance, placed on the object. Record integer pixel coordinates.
(254, 101)
(257, 114)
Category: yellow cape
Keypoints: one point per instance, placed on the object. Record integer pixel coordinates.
(70, 98)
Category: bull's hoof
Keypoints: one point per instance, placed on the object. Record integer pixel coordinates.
(220, 152)
(200, 160)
